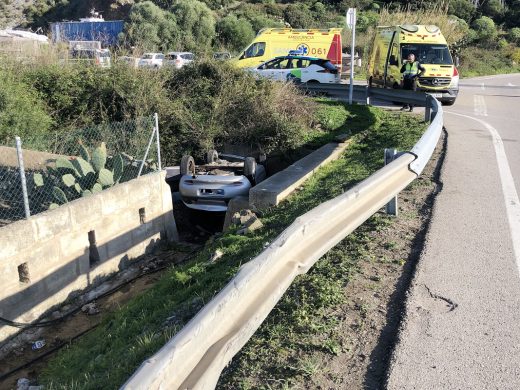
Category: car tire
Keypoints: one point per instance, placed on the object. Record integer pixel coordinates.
(211, 156)
(250, 169)
(187, 165)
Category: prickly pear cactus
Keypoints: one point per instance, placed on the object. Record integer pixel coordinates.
(80, 176)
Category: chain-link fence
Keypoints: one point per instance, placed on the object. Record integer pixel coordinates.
(43, 172)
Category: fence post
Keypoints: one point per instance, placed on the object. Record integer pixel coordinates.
(391, 207)
(158, 141)
(22, 177)
(147, 150)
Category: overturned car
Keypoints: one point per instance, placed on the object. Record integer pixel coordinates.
(210, 186)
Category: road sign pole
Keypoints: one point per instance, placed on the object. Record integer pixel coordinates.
(351, 23)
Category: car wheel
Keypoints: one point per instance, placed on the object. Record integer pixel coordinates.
(211, 156)
(313, 82)
(250, 168)
(187, 165)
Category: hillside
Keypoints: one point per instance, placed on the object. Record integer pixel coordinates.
(492, 26)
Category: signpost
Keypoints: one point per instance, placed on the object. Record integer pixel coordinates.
(351, 24)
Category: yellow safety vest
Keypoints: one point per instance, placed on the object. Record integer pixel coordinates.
(411, 69)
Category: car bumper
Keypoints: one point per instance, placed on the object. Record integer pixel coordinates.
(205, 204)
(443, 95)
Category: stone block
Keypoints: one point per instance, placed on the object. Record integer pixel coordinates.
(116, 225)
(118, 246)
(143, 232)
(114, 199)
(170, 227)
(52, 223)
(15, 237)
(86, 212)
(73, 244)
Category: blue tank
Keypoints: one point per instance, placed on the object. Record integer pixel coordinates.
(104, 31)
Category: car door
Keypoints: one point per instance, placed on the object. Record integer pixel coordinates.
(269, 68)
(281, 69)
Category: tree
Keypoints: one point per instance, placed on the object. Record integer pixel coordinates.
(235, 33)
(485, 29)
(299, 16)
(462, 9)
(196, 22)
(151, 28)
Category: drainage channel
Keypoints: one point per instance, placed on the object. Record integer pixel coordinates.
(74, 320)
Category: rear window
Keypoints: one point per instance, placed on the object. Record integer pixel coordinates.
(187, 56)
(325, 64)
(147, 56)
(160, 56)
(88, 54)
(104, 54)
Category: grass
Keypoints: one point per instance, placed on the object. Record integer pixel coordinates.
(107, 356)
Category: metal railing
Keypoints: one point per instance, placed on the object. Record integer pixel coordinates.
(46, 171)
(196, 356)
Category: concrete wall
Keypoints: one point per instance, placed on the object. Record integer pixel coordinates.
(52, 256)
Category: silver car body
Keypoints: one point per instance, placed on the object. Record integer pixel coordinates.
(212, 192)
(151, 60)
(178, 59)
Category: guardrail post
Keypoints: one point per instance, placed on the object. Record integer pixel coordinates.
(391, 207)
(427, 110)
(368, 95)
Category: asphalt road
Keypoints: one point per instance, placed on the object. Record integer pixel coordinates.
(462, 323)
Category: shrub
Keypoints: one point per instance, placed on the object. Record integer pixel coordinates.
(514, 35)
(22, 113)
(485, 29)
(151, 28)
(215, 104)
(235, 33)
(198, 24)
(299, 16)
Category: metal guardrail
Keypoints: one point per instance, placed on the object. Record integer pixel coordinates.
(393, 95)
(196, 356)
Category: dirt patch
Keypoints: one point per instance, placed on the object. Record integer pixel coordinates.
(17, 354)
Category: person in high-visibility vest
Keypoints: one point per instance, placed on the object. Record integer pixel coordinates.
(411, 70)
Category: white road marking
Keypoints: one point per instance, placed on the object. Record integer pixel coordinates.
(480, 108)
(511, 85)
(482, 87)
(508, 186)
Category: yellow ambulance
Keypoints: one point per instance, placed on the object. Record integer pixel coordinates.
(274, 42)
(391, 47)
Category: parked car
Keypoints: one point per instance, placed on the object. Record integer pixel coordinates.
(299, 69)
(130, 61)
(178, 59)
(210, 187)
(97, 57)
(151, 60)
(222, 56)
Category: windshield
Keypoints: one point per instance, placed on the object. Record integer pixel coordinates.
(255, 50)
(427, 53)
